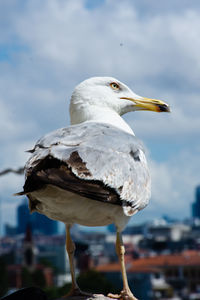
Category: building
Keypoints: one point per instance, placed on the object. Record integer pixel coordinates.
(196, 204)
(162, 238)
(51, 249)
(144, 281)
(29, 272)
(39, 223)
(42, 249)
(23, 217)
(178, 272)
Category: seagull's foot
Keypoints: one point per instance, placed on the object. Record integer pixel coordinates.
(76, 292)
(125, 295)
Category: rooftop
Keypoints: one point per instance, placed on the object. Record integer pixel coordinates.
(151, 264)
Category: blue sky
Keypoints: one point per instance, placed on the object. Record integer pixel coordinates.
(48, 47)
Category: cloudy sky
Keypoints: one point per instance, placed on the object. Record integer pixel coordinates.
(49, 46)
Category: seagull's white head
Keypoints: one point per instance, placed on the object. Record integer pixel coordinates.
(107, 95)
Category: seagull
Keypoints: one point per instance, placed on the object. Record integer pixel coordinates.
(94, 172)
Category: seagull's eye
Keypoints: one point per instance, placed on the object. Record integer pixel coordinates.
(114, 86)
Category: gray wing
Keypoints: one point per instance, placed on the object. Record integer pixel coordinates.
(99, 154)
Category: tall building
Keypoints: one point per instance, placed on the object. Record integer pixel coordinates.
(196, 204)
(23, 217)
(39, 223)
(29, 251)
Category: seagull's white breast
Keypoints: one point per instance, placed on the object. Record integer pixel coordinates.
(70, 208)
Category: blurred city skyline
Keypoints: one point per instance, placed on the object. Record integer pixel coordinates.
(161, 255)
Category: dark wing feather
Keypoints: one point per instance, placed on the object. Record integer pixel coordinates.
(52, 171)
(94, 160)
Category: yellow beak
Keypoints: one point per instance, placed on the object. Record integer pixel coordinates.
(142, 103)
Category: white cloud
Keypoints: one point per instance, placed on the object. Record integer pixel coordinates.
(174, 181)
(176, 126)
(173, 185)
(59, 43)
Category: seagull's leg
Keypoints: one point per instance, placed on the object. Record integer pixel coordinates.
(126, 293)
(70, 247)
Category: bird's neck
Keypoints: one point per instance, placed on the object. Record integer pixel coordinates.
(101, 115)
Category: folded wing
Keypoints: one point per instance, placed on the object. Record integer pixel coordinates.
(97, 161)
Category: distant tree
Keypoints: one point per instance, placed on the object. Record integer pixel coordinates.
(90, 281)
(38, 278)
(94, 282)
(57, 292)
(27, 280)
(45, 262)
(34, 278)
(3, 278)
(52, 292)
(9, 258)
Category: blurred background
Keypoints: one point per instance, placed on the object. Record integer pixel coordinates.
(46, 49)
